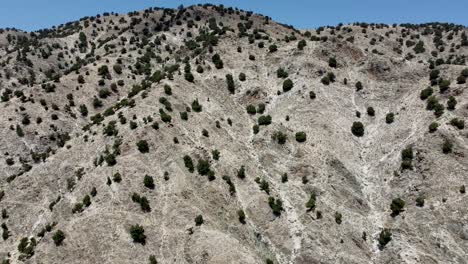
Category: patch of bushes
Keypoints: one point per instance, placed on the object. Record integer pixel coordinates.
(357, 129)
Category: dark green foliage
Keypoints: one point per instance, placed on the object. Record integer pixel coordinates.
(358, 86)
(301, 44)
(389, 118)
(426, 93)
(385, 237)
(241, 215)
(407, 158)
(87, 201)
(287, 85)
(199, 220)
(433, 127)
(203, 167)
(420, 201)
(230, 83)
(205, 133)
(301, 136)
(281, 73)
(215, 153)
(419, 48)
(458, 123)
(242, 77)
(117, 68)
(397, 206)
(256, 129)
(451, 103)
(312, 95)
(338, 218)
(280, 137)
(143, 201)
(143, 146)
(83, 110)
(184, 116)
(152, 260)
(217, 61)
(370, 111)
(196, 106)
(148, 181)
(264, 186)
(189, 77)
(310, 205)
(232, 188)
(58, 237)
(325, 80)
(273, 48)
(444, 85)
(264, 120)
(167, 89)
(261, 108)
(332, 62)
(189, 163)
(284, 178)
(117, 177)
(241, 172)
(276, 205)
(357, 129)
(26, 246)
(137, 233)
(251, 110)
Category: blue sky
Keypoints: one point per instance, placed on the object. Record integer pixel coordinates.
(36, 14)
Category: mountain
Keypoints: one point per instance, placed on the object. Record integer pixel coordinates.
(213, 135)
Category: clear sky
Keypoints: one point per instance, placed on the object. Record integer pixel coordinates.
(36, 14)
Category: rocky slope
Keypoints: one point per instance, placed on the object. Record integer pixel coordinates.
(213, 135)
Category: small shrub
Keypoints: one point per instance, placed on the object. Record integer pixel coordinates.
(287, 85)
(301, 136)
(389, 118)
(358, 86)
(241, 172)
(426, 93)
(58, 237)
(251, 110)
(370, 111)
(264, 120)
(447, 146)
(357, 129)
(137, 233)
(433, 127)
(203, 167)
(385, 237)
(332, 62)
(241, 215)
(189, 163)
(458, 123)
(196, 106)
(143, 146)
(199, 220)
(148, 181)
(397, 206)
(276, 205)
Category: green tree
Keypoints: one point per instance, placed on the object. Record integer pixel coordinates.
(389, 118)
(199, 220)
(230, 83)
(287, 85)
(143, 146)
(397, 206)
(137, 233)
(357, 129)
(58, 237)
(385, 237)
(301, 136)
(148, 181)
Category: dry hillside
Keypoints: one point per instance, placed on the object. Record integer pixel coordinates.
(213, 135)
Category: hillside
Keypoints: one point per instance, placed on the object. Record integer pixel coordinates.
(213, 135)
